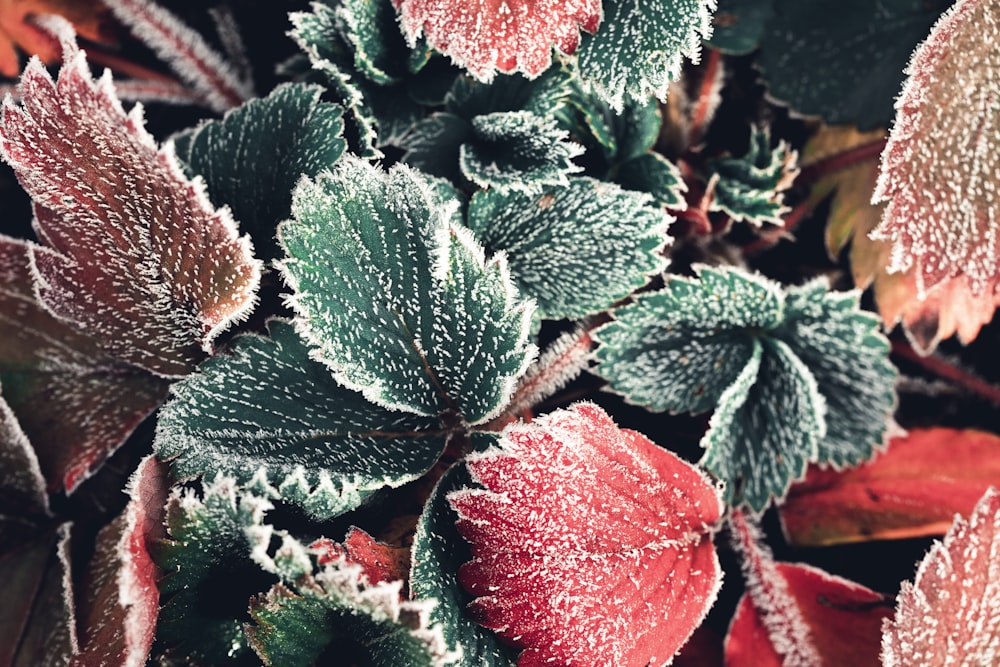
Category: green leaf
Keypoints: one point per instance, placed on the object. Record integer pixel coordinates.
(639, 47)
(438, 552)
(738, 25)
(519, 151)
(296, 132)
(575, 249)
(843, 60)
(767, 427)
(679, 349)
(544, 95)
(434, 143)
(849, 358)
(795, 377)
(653, 173)
(749, 188)
(400, 304)
(338, 615)
(369, 26)
(268, 411)
(211, 574)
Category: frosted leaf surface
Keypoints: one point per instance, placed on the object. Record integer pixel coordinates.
(590, 544)
(73, 402)
(939, 171)
(948, 615)
(253, 157)
(749, 188)
(23, 491)
(120, 601)
(484, 36)
(575, 249)
(268, 409)
(400, 304)
(132, 252)
(640, 47)
(738, 25)
(338, 607)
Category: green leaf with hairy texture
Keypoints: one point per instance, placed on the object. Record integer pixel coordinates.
(269, 410)
(296, 132)
(519, 151)
(843, 60)
(640, 47)
(749, 188)
(738, 25)
(653, 173)
(369, 26)
(438, 552)
(767, 427)
(843, 349)
(211, 575)
(399, 303)
(434, 143)
(680, 348)
(337, 614)
(543, 95)
(795, 376)
(575, 249)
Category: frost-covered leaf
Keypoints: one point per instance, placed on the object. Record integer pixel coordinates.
(738, 25)
(371, 29)
(545, 95)
(640, 47)
(750, 188)
(133, 252)
(653, 173)
(74, 403)
(948, 615)
(120, 601)
(269, 410)
(338, 612)
(576, 249)
(484, 36)
(842, 59)
(379, 562)
(210, 576)
(253, 157)
(912, 489)
(399, 303)
(37, 626)
(590, 544)
(438, 552)
(23, 492)
(795, 376)
(939, 171)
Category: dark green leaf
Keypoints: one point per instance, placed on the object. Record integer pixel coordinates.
(400, 304)
(738, 25)
(653, 173)
(843, 60)
(438, 552)
(268, 410)
(543, 95)
(253, 157)
(575, 249)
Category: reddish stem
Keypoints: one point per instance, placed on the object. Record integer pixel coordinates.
(948, 371)
(842, 160)
(774, 234)
(702, 113)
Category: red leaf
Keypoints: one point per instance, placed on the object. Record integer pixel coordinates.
(913, 489)
(75, 404)
(120, 602)
(379, 562)
(948, 616)
(797, 615)
(507, 35)
(134, 252)
(591, 544)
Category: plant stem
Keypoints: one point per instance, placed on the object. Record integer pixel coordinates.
(948, 371)
(707, 97)
(843, 160)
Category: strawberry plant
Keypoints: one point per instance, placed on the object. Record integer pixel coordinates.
(439, 332)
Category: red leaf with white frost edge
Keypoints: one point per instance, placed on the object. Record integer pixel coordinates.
(591, 545)
(914, 488)
(941, 168)
(379, 562)
(120, 601)
(948, 616)
(133, 252)
(507, 35)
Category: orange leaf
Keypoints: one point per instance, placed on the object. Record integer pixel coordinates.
(89, 18)
(913, 489)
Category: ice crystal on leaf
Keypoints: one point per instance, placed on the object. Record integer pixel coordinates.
(269, 412)
(132, 250)
(590, 544)
(398, 302)
(795, 376)
(484, 36)
(940, 169)
(23, 491)
(948, 615)
(640, 47)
